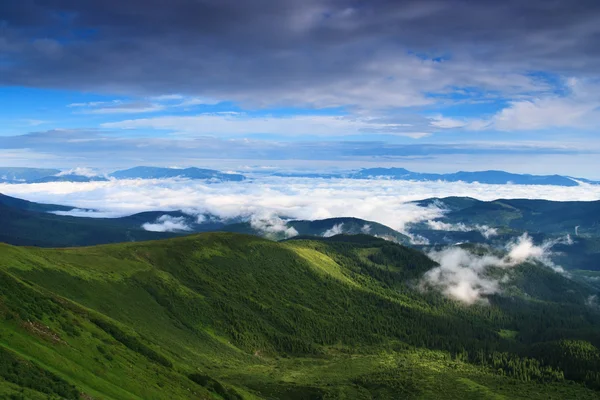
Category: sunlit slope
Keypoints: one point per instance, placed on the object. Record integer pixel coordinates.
(235, 316)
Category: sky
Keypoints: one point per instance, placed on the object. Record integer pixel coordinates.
(429, 85)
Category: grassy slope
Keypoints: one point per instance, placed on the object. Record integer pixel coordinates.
(255, 319)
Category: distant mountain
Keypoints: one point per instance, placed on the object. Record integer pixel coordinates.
(543, 216)
(25, 205)
(21, 175)
(161, 173)
(501, 221)
(27, 223)
(70, 178)
(487, 177)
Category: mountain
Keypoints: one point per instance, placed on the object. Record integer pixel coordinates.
(70, 178)
(25, 205)
(487, 177)
(536, 216)
(161, 173)
(19, 175)
(27, 223)
(229, 316)
(324, 227)
(573, 225)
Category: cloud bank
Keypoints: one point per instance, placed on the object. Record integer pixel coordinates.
(383, 201)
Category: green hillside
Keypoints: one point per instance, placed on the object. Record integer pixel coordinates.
(229, 316)
(30, 224)
(543, 216)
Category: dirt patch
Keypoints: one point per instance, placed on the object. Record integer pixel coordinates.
(43, 331)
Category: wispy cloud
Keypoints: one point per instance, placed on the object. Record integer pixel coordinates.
(577, 108)
(465, 276)
(220, 124)
(142, 105)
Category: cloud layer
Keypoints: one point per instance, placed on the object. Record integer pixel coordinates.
(382, 201)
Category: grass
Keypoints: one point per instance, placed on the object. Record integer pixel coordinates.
(228, 316)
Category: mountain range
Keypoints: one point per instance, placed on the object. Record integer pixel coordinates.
(323, 309)
(28, 223)
(573, 226)
(34, 175)
(230, 316)
(487, 177)
(37, 175)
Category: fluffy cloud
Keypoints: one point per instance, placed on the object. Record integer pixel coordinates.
(167, 223)
(464, 276)
(383, 201)
(82, 171)
(271, 225)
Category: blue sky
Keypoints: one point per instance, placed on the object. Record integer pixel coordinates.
(322, 84)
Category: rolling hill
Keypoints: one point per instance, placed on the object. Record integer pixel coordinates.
(229, 316)
(26, 223)
(29, 223)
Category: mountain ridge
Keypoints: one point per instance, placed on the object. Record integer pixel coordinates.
(230, 316)
(492, 177)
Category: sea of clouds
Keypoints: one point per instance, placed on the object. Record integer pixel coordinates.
(262, 200)
(268, 202)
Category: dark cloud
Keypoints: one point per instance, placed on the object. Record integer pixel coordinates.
(376, 53)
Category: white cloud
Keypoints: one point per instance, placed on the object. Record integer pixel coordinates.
(485, 230)
(464, 276)
(271, 225)
(167, 223)
(336, 229)
(383, 201)
(366, 229)
(82, 171)
(579, 108)
(242, 124)
(142, 105)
